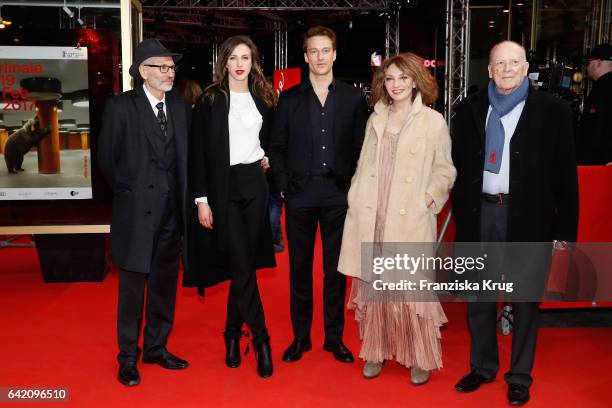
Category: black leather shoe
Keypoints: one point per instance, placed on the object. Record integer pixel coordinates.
(518, 394)
(263, 353)
(295, 350)
(341, 353)
(232, 352)
(167, 360)
(472, 382)
(128, 374)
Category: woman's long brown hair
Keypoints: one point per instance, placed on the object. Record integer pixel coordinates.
(257, 81)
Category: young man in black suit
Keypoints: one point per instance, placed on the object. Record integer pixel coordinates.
(316, 139)
(143, 154)
(516, 182)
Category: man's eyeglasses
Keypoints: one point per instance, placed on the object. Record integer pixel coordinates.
(164, 68)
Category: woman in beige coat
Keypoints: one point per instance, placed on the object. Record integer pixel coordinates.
(403, 179)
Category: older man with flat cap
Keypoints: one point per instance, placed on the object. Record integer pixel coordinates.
(143, 154)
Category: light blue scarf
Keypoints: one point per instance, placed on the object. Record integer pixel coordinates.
(501, 105)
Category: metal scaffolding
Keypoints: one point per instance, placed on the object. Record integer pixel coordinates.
(327, 5)
(457, 55)
(280, 45)
(216, 43)
(208, 14)
(392, 32)
(203, 12)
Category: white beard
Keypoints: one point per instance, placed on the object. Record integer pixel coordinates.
(166, 87)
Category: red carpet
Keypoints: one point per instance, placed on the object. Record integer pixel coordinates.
(64, 335)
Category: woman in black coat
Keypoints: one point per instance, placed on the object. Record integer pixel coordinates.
(227, 164)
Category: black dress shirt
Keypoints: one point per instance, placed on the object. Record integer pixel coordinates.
(321, 127)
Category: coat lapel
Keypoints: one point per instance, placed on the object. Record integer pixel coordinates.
(301, 107)
(264, 111)
(148, 119)
(479, 111)
(259, 103)
(379, 121)
(176, 110)
(220, 109)
(524, 120)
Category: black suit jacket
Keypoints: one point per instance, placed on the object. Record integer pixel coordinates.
(209, 173)
(543, 174)
(291, 145)
(129, 150)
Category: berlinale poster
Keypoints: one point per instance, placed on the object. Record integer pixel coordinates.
(44, 124)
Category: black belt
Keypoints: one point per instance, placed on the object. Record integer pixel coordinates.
(496, 198)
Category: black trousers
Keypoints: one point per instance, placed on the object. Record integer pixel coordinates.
(246, 210)
(301, 225)
(160, 284)
(482, 317)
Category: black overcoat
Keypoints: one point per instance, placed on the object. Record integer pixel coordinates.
(209, 172)
(130, 150)
(543, 174)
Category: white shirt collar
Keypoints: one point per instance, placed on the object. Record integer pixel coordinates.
(153, 100)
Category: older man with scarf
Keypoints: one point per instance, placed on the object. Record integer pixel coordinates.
(516, 182)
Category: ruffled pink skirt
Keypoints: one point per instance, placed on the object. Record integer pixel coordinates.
(408, 332)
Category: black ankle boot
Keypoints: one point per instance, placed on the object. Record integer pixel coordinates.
(232, 352)
(263, 352)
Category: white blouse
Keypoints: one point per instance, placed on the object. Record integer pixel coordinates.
(244, 122)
